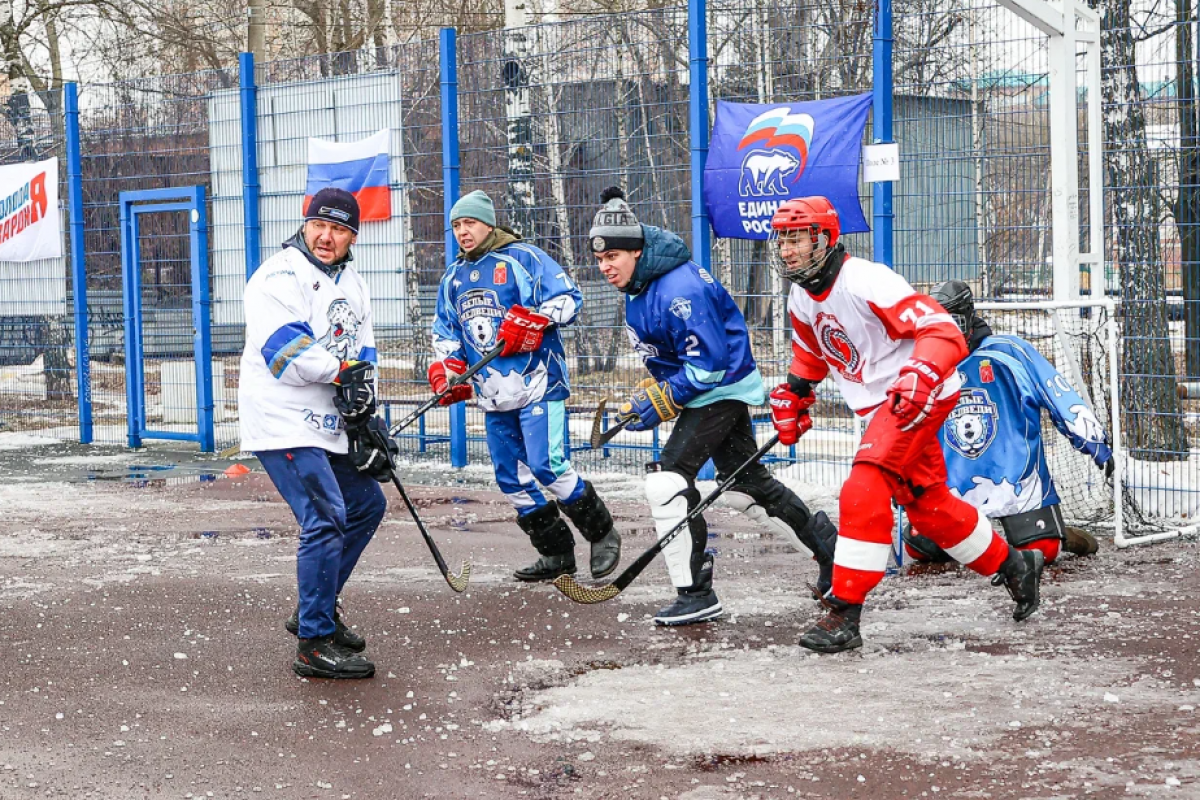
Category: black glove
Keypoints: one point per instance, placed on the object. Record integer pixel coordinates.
(1109, 468)
(355, 391)
(372, 451)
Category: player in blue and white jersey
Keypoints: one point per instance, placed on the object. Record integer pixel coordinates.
(502, 290)
(992, 440)
(693, 340)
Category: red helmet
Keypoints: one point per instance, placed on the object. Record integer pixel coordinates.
(794, 257)
(809, 212)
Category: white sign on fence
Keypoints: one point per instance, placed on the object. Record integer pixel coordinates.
(29, 223)
(881, 163)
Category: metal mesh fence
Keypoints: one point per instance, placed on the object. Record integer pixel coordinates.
(549, 115)
(37, 328)
(152, 133)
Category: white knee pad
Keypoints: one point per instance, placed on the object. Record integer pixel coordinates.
(668, 505)
(744, 503)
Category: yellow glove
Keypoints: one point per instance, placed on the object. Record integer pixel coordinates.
(648, 407)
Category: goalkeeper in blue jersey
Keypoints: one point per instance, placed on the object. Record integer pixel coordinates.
(995, 456)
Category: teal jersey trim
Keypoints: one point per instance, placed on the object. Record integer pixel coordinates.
(556, 432)
(749, 390)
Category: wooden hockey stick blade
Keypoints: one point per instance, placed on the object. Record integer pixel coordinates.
(607, 436)
(459, 582)
(589, 595)
(230, 452)
(597, 422)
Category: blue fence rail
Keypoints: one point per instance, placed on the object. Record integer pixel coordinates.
(543, 118)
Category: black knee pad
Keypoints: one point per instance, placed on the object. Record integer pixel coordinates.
(547, 531)
(1032, 526)
(589, 514)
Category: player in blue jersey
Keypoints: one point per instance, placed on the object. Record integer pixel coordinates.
(995, 457)
(501, 289)
(693, 340)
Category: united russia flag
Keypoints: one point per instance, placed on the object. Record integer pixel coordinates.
(360, 168)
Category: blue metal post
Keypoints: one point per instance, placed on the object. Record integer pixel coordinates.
(448, 55)
(250, 187)
(698, 122)
(881, 109)
(83, 359)
(202, 318)
(132, 389)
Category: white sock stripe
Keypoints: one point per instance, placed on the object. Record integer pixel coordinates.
(976, 543)
(860, 555)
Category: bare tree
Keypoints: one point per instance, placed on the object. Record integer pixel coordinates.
(1152, 416)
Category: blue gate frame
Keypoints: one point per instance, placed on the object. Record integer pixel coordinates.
(133, 204)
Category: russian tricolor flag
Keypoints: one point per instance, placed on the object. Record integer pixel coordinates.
(360, 168)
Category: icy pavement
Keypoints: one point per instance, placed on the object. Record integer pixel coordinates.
(141, 606)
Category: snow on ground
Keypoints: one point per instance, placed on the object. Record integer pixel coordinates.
(13, 440)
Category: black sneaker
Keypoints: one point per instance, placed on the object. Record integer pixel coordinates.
(1021, 575)
(547, 568)
(344, 636)
(690, 608)
(837, 630)
(322, 658)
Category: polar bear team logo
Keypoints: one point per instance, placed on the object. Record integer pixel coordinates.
(971, 427)
(342, 337)
(784, 141)
(480, 313)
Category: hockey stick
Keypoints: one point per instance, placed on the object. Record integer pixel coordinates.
(458, 381)
(598, 594)
(457, 582)
(600, 438)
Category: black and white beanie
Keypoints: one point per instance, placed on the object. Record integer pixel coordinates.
(615, 227)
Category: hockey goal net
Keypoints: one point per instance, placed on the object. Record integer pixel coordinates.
(1079, 339)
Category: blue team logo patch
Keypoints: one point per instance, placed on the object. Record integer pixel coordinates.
(681, 307)
(971, 427)
(480, 313)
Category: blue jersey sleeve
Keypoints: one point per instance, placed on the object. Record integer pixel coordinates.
(697, 330)
(1071, 414)
(447, 328)
(545, 286)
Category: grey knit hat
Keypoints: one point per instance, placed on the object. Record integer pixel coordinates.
(476, 205)
(615, 226)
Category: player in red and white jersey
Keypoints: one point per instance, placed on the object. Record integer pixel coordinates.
(893, 353)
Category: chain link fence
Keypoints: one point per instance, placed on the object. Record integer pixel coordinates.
(549, 115)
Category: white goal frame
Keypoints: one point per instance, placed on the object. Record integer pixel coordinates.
(1122, 538)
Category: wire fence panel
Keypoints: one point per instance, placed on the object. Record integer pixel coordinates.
(549, 115)
(345, 98)
(37, 328)
(152, 133)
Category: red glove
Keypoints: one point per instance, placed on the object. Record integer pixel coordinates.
(440, 373)
(789, 413)
(522, 330)
(913, 394)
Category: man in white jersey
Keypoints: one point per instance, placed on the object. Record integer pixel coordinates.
(307, 403)
(892, 353)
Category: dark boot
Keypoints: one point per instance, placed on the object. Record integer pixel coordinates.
(322, 658)
(1021, 575)
(344, 636)
(591, 518)
(1080, 542)
(823, 532)
(695, 603)
(837, 630)
(928, 550)
(553, 540)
